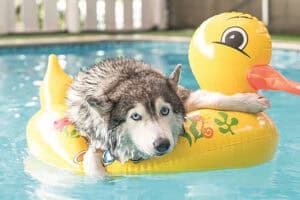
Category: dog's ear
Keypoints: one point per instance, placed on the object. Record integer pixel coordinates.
(102, 103)
(175, 75)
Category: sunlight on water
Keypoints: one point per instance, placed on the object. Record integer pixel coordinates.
(23, 177)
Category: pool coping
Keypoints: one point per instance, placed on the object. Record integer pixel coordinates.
(277, 44)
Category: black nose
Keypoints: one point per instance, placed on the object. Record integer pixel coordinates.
(161, 145)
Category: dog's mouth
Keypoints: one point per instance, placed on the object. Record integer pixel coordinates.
(137, 160)
(160, 154)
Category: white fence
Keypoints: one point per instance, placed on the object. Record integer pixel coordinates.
(31, 16)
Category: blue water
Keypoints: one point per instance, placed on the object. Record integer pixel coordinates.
(22, 69)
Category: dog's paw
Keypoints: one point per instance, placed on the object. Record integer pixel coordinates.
(252, 102)
(92, 164)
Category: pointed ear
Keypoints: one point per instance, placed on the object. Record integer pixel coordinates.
(175, 75)
(101, 104)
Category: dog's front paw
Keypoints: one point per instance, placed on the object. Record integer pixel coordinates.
(92, 164)
(252, 102)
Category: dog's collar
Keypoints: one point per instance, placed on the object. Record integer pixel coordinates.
(107, 158)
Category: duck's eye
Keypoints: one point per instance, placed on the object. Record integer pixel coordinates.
(235, 37)
(164, 111)
(136, 117)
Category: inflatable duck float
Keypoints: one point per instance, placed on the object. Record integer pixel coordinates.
(228, 53)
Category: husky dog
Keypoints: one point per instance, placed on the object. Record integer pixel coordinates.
(134, 112)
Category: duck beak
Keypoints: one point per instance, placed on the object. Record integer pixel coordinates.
(265, 77)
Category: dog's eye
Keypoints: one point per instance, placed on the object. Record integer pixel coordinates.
(164, 111)
(136, 116)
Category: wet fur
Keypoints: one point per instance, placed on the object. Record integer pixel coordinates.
(117, 85)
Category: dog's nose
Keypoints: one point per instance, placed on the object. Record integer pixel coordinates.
(161, 145)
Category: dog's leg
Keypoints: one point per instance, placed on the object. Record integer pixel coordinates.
(242, 102)
(92, 163)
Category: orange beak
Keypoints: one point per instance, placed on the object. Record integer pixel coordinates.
(265, 77)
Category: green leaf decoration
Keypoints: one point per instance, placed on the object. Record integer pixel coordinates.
(73, 133)
(224, 115)
(219, 122)
(194, 130)
(66, 131)
(223, 130)
(232, 133)
(188, 137)
(198, 137)
(234, 121)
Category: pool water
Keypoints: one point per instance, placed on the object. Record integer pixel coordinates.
(22, 177)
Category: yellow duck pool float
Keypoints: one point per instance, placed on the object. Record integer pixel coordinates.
(228, 53)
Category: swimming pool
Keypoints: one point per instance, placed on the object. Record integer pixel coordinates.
(22, 70)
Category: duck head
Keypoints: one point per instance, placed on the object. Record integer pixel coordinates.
(230, 53)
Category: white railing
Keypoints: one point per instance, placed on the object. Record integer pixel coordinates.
(31, 16)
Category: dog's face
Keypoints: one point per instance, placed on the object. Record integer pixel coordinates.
(144, 118)
(147, 131)
(153, 130)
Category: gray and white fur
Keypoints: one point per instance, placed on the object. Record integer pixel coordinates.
(135, 112)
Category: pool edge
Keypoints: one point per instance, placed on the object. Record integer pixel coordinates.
(277, 44)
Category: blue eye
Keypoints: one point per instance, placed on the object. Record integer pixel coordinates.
(136, 116)
(164, 111)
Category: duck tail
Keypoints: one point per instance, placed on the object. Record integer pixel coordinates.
(55, 84)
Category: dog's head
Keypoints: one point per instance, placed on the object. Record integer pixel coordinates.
(143, 114)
